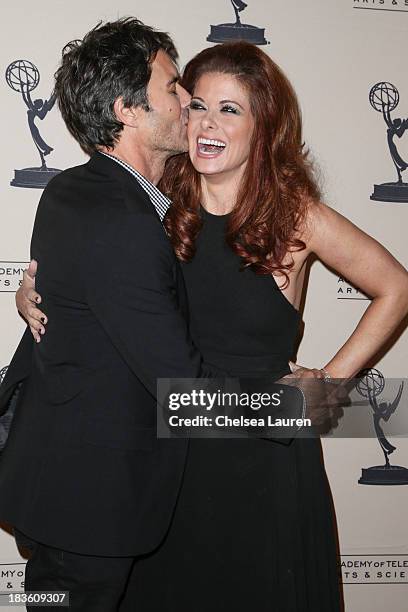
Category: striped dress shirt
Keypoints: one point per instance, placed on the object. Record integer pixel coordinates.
(160, 202)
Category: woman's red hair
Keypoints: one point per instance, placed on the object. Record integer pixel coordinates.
(277, 183)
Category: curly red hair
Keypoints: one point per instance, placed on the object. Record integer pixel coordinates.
(277, 183)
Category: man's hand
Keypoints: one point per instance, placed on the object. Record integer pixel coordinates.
(26, 301)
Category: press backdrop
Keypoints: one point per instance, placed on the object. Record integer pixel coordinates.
(334, 52)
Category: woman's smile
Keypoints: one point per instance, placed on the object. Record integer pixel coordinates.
(208, 147)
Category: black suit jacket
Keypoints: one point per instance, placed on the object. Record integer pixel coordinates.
(83, 469)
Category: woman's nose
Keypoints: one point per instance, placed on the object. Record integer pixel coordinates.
(208, 121)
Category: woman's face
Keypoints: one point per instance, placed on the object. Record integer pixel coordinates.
(220, 125)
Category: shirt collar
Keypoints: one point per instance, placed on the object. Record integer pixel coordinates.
(160, 202)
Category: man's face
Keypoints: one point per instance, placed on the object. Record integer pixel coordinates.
(166, 121)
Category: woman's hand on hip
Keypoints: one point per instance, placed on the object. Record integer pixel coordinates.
(323, 399)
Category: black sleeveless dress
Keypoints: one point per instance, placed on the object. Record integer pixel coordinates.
(254, 528)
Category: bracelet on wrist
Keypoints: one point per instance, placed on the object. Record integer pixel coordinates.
(326, 376)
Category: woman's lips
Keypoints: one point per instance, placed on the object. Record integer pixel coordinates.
(208, 154)
(210, 148)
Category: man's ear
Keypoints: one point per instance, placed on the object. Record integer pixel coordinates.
(129, 116)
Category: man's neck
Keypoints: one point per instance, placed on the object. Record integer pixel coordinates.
(149, 165)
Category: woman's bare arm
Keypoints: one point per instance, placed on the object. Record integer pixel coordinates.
(366, 264)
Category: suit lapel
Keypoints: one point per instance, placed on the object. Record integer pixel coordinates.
(102, 164)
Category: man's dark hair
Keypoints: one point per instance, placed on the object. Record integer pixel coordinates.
(114, 59)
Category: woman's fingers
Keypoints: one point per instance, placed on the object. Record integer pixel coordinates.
(35, 318)
(33, 297)
(26, 301)
(324, 401)
(32, 268)
(294, 366)
(30, 296)
(28, 277)
(309, 381)
(35, 334)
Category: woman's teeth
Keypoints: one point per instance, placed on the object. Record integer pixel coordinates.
(206, 145)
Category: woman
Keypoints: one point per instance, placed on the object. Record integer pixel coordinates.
(254, 525)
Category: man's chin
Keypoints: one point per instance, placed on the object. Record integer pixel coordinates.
(183, 146)
(178, 151)
(183, 143)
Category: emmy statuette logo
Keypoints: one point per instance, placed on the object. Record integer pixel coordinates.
(370, 386)
(226, 32)
(23, 77)
(384, 98)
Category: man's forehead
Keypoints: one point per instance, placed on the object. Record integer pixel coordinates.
(164, 64)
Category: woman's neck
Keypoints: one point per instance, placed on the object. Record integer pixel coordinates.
(219, 193)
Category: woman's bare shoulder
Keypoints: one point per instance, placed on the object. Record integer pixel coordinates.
(317, 217)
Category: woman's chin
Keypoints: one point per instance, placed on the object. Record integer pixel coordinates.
(206, 166)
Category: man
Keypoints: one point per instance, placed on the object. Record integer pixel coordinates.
(84, 478)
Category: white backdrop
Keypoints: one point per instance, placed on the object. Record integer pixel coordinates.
(333, 51)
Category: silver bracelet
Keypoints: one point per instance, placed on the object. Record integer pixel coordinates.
(326, 376)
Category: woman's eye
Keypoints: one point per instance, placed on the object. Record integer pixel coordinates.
(196, 106)
(230, 109)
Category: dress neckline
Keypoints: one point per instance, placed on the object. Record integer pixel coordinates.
(210, 215)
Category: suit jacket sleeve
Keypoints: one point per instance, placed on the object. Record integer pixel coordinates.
(18, 370)
(132, 291)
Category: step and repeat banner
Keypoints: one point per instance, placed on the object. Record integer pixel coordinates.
(347, 62)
